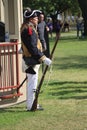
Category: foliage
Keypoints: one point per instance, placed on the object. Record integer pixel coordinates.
(51, 6)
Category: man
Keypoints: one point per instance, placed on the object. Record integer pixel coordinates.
(41, 28)
(32, 55)
(79, 25)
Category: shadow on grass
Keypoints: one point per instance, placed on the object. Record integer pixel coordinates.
(67, 82)
(68, 90)
(73, 37)
(73, 61)
(15, 109)
(68, 37)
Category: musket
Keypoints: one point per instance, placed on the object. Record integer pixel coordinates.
(34, 106)
(21, 84)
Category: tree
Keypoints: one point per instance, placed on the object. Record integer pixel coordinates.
(83, 6)
(49, 6)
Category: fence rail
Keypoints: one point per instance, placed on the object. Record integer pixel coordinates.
(9, 70)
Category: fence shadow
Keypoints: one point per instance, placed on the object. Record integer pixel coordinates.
(68, 90)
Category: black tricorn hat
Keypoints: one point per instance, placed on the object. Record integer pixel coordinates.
(31, 14)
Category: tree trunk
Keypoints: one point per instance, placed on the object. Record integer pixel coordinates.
(83, 6)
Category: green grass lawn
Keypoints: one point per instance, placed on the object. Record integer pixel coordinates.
(63, 93)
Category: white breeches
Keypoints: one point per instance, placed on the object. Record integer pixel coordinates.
(31, 87)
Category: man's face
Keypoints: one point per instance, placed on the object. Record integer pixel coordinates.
(41, 17)
(34, 20)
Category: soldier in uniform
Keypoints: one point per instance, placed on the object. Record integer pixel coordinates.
(32, 54)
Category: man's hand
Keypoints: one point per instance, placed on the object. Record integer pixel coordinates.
(47, 61)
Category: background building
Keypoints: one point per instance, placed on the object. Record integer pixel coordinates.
(11, 13)
(11, 18)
